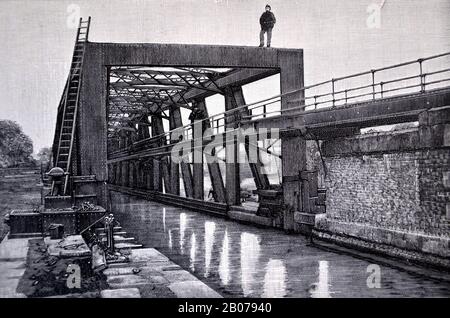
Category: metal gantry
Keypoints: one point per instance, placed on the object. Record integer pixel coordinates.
(138, 92)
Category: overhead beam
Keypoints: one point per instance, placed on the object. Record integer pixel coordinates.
(238, 77)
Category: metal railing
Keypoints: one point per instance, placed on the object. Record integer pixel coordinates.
(371, 90)
(332, 97)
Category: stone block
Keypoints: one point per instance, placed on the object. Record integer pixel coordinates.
(178, 276)
(13, 249)
(193, 289)
(70, 246)
(147, 254)
(126, 281)
(121, 293)
(116, 271)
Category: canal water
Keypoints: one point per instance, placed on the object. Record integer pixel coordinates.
(240, 260)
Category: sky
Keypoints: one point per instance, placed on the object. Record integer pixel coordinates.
(339, 37)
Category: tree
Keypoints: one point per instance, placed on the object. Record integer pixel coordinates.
(45, 157)
(16, 148)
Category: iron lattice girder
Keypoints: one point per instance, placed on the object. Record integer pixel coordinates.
(169, 83)
(149, 91)
(143, 100)
(182, 79)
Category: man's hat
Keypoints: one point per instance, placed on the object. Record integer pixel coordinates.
(268, 5)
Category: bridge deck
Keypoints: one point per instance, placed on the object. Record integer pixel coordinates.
(382, 111)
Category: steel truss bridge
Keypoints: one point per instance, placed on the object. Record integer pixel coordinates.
(121, 114)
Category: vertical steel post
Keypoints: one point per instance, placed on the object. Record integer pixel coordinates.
(373, 83)
(332, 90)
(422, 84)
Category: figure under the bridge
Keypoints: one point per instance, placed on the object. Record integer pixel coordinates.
(267, 22)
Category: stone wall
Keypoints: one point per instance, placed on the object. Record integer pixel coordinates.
(391, 188)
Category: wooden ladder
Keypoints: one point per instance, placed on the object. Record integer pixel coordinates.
(69, 103)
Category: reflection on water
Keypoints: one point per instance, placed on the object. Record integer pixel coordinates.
(321, 288)
(193, 251)
(164, 220)
(183, 224)
(210, 227)
(224, 265)
(170, 243)
(250, 250)
(240, 260)
(275, 279)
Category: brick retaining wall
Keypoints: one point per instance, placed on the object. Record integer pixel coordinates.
(392, 188)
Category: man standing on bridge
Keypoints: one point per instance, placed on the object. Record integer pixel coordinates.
(267, 22)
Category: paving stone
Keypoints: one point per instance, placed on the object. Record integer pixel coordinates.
(157, 279)
(193, 289)
(70, 246)
(7, 292)
(156, 291)
(118, 271)
(121, 293)
(147, 254)
(124, 281)
(11, 269)
(125, 264)
(121, 246)
(172, 268)
(151, 269)
(13, 253)
(78, 295)
(179, 276)
(13, 249)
